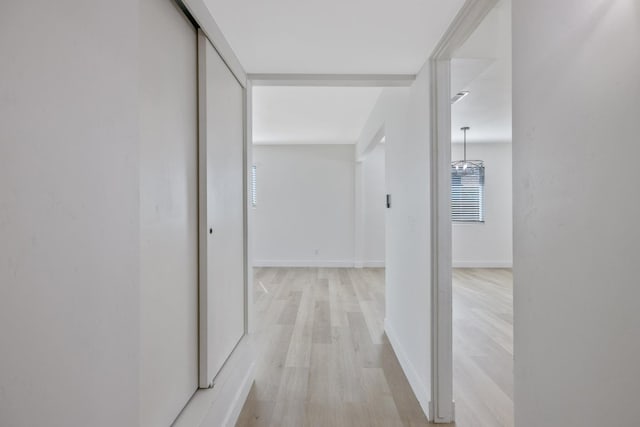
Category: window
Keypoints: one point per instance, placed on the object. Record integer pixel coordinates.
(467, 194)
(253, 186)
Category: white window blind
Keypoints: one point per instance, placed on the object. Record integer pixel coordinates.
(467, 194)
(254, 198)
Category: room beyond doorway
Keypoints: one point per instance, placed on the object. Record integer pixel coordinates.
(315, 180)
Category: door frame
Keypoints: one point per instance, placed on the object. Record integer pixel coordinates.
(472, 13)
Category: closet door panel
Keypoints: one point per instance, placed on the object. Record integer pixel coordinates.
(222, 296)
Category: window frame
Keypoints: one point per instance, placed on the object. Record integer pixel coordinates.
(468, 200)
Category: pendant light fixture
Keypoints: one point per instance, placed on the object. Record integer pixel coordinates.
(467, 167)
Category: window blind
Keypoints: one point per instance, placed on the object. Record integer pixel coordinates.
(467, 194)
(254, 198)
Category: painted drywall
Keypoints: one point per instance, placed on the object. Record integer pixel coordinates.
(402, 116)
(305, 205)
(576, 106)
(373, 197)
(313, 115)
(168, 212)
(69, 214)
(488, 244)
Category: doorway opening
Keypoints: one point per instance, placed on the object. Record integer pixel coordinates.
(481, 213)
(472, 218)
(318, 232)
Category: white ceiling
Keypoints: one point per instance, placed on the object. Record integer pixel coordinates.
(311, 115)
(482, 66)
(333, 36)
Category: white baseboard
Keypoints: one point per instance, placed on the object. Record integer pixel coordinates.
(222, 404)
(369, 264)
(417, 384)
(482, 264)
(374, 264)
(319, 263)
(304, 263)
(239, 400)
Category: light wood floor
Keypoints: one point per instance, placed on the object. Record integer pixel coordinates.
(483, 347)
(325, 360)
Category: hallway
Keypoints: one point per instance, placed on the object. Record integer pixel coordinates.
(326, 361)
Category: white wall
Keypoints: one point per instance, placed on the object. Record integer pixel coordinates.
(305, 203)
(373, 212)
(69, 214)
(402, 114)
(168, 212)
(576, 107)
(487, 244)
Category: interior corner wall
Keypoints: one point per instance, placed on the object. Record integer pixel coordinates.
(305, 205)
(69, 214)
(373, 211)
(404, 114)
(575, 143)
(488, 244)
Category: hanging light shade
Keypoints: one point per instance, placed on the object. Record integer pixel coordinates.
(467, 167)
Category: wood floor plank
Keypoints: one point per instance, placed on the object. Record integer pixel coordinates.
(321, 332)
(256, 413)
(299, 352)
(347, 377)
(338, 303)
(374, 320)
(363, 345)
(290, 312)
(382, 407)
(320, 391)
(289, 402)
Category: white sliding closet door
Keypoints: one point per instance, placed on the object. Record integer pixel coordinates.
(222, 280)
(168, 212)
